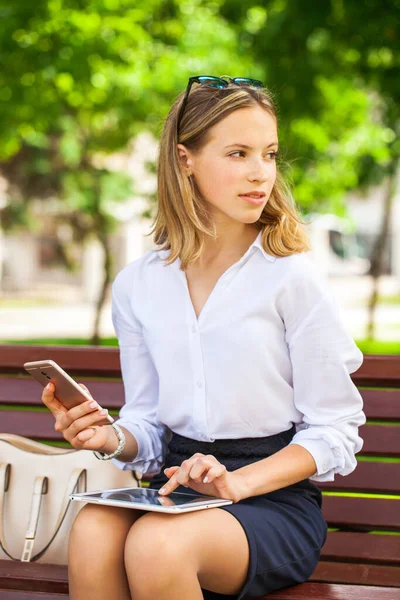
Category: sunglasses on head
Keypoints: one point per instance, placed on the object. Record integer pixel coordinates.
(216, 82)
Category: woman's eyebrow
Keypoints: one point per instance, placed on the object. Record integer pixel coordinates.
(249, 147)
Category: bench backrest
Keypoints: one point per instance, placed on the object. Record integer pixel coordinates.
(377, 476)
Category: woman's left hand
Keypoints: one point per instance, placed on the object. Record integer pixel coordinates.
(221, 483)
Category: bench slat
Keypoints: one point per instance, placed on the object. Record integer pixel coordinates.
(381, 405)
(92, 360)
(326, 591)
(380, 440)
(33, 577)
(366, 574)
(18, 595)
(378, 404)
(35, 425)
(361, 514)
(376, 370)
(369, 477)
(26, 391)
(53, 579)
(362, 547)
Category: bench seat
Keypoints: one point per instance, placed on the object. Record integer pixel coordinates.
(361, 557)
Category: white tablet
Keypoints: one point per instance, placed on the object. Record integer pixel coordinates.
(149, 499)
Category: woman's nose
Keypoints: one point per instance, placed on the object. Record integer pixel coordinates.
(259, 171)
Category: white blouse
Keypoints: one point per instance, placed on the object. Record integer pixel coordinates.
(269, 349)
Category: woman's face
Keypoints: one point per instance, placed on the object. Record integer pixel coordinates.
(224, 170)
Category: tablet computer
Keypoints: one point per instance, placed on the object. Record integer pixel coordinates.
(150, 499)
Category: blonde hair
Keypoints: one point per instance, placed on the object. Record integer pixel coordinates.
(183, 219)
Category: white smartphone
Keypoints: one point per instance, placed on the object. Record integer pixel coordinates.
(67, 391)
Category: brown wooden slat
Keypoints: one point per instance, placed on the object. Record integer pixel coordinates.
(89, 360)
(338, 572)
(361, 514)
(369, 477)
(362, 548)
(35, 425)
(321, 591)
(33, 577)
(38, 425)
(380, 440)
(378, 404)
(18, 595)
(381, 404)
(378, 371)
(53, 579)
(27, 391)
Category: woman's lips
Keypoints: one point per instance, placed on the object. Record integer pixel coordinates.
(256, 201)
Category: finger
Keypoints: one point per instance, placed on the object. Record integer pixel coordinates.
(51, 401)
(72, 427)
(215, 473)
(86, 434)
(169, 471)
(171, 485)
(86, 408)
(202, 466)
(180, 477)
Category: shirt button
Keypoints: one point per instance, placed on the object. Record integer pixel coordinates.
(199, 384)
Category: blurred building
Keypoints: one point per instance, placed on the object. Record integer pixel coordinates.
(33, 263)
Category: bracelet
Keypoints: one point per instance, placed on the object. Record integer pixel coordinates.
(120, 447)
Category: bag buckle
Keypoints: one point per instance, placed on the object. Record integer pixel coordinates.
(28, 549)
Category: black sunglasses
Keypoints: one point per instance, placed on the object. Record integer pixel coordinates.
(217, 82)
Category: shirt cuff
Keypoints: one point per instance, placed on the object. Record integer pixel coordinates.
(328, 462)
(138, 462)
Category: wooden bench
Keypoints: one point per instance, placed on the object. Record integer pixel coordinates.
(361, 557)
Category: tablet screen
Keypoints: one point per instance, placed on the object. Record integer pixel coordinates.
(149, 497)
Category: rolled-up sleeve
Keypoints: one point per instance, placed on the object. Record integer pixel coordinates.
(323, 355)
(140, 378)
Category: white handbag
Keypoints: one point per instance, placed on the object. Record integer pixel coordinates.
(36, 514)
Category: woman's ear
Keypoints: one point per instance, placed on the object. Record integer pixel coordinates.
(184, 158)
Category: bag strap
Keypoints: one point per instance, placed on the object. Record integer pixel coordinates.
(28, 445)
(40, 488)
(77, 477)
(4, 483)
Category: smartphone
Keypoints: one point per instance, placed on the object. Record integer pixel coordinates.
(67, 391)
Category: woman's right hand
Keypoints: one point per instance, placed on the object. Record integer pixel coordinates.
(79, 424)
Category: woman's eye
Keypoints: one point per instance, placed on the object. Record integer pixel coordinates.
(272, 155)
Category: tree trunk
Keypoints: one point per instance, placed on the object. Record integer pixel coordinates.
(105, 242)
(380, 246)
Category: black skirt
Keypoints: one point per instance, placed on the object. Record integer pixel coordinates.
(285, 528)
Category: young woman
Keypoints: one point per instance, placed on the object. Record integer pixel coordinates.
(236, 368)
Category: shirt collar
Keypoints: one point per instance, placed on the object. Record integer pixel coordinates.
(256, 244)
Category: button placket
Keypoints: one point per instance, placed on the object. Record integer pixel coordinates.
(199, 408)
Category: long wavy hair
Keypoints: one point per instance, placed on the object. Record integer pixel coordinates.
(183, 219)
